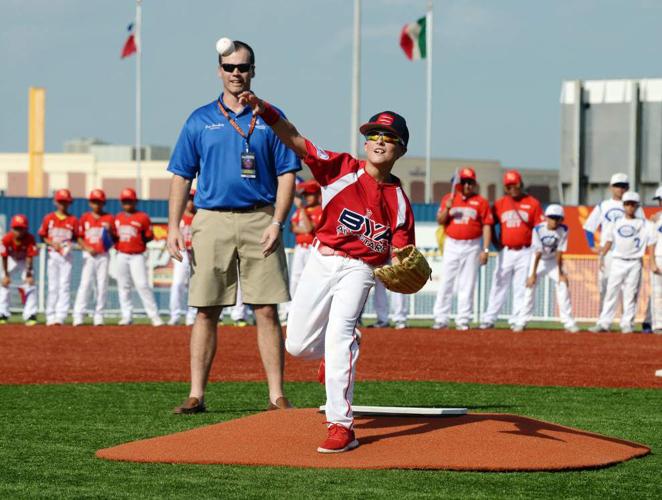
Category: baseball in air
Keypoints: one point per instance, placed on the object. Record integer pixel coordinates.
(225, 46)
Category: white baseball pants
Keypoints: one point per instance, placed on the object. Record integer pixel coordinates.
(322, 322)
(654, 310)
(625, 277)
(297, 265)
(511, 269)
(181, 273)
(17, 271)
(546, 267)
(59, 287)
(132, 272)
(94, 274)
(460, 263)
(380, 302)
(399, 307)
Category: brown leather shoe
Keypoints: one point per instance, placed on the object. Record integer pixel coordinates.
(281, 404)
(190, 406)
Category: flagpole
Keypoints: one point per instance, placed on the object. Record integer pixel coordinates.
(428, 127)
(139, 54)
(356, 82)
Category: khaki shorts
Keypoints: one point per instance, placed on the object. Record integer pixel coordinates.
(226, 249)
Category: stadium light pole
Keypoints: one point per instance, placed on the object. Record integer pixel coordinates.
(428, 124)
(356, 82)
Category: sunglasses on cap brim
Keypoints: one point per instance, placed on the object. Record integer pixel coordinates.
(375, 135)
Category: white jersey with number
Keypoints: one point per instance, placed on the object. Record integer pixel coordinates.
(604, 213)
(549, 241)
(629, 238)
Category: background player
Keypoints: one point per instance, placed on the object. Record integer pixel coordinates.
(550, 241)
(517, 213)
(134, 231)
(59, 232)
(654, 310)
(603, 214)
(181, 270)
(18, 250)
(96, 235)
(628, 236)
(366, 214)
(466, 218)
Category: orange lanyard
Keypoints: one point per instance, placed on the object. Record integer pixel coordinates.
(251, 127)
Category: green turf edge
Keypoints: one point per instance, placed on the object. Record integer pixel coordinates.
(50, 434)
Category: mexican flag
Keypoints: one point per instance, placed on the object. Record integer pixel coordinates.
(412, 39)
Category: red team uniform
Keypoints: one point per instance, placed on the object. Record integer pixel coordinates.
(362, 222)
(461, 254)
(63, 231)
(16, 254)
(133, 232)
(517, 218)
(91, 229)
(314, 214)
(18, 251)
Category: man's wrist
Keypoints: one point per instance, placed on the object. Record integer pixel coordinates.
(277, 223)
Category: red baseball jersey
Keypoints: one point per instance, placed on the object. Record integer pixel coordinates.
(314, 214)
(467, 216)
(517, 219)
(360, 216)
(59, 229)
(90, 229)
(185, 228)
(27, 247)
(133, 231)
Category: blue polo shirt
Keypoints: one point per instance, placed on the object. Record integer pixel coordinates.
(210, 148)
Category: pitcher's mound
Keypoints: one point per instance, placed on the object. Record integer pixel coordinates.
(477, 442)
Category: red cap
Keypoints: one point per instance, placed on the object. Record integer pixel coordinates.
(310, 187)
(128, 194)
(63, 195)
(467, 173)
(512, 177)
(19, 221)
(97, 195)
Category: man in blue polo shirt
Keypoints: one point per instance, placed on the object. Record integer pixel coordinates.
(245, 185)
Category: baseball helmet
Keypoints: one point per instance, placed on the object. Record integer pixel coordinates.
(512, 177)
(631, 196)
(97, 195)
(658, 194)
(19, 221)
(554, 210)
(310, 187)
(467, 173)
(63, 195)
(619, 179)
(128, 194)
(389, 121)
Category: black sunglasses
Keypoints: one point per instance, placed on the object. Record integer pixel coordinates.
(243, 67)
(467, 181)
(621, 185)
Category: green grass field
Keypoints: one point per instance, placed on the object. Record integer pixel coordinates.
(50, 433)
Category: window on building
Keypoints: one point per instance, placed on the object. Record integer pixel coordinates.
(417, 192)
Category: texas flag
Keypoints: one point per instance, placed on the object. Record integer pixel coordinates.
(130, 46)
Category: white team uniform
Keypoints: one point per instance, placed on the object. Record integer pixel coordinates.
(132, 273)
(548, 242)
(654, 311)
(17, 272)
(629, 239)
(181, 273)
(94, 273)
(59, 284)
(604, 213)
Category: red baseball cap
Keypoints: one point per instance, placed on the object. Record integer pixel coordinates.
(97, 195)
(19, 221)
(467, 173)
(63, 195)
(310, 187)
(512, 177)
(128, 194)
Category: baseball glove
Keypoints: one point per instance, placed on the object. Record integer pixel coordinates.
(409, 274)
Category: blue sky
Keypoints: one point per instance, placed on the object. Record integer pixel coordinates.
(498, 66)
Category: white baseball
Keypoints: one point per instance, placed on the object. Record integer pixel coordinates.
(225, 46)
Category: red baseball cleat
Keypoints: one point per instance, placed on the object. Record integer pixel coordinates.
(339, 439)
(321, 372)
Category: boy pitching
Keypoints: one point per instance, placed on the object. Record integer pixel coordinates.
(96, 235)
(134, 231)
(18, 250)
(627, 239)
(59, 231)
(181, 270)
(549, 242)
(365, 216)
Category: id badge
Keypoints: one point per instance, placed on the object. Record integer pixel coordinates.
(248, 165)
